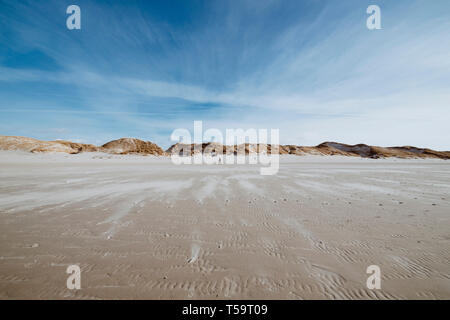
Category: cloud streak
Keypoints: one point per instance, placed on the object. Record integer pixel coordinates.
(310, 68)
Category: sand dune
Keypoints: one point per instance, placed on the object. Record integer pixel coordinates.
(33, 145)
(324, 149)
(131, 145)
(120, 146)
(136, 146)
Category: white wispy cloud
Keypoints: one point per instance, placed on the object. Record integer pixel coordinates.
(321, 77)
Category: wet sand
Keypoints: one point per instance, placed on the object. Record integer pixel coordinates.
(143, 228)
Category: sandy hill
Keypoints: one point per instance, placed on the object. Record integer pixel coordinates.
(214, 147)
(120, 146)
(136, 146)
(326, 148)
(132, 145)
(34, 145)
(366, 151)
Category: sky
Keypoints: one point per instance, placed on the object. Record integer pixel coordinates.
(310, 68)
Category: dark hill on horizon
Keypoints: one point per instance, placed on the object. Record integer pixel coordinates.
(137, 146)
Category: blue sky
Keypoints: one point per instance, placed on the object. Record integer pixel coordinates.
(308, 67)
